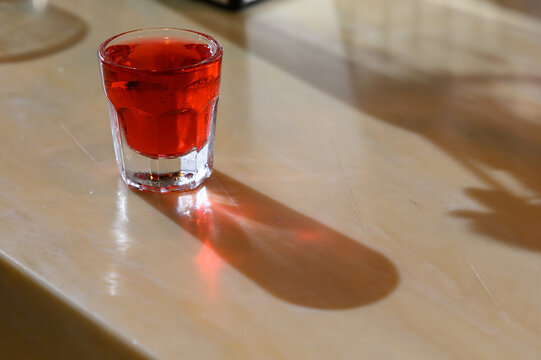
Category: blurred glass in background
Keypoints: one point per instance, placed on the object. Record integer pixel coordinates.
(34, 28)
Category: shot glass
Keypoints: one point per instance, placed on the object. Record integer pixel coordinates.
(162, 87)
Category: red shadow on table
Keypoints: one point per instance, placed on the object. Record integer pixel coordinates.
(292, 256)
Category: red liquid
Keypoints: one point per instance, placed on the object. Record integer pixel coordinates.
(164, 109)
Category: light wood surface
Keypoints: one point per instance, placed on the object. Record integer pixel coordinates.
(377, 192)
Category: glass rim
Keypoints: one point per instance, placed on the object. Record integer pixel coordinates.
(217, 55)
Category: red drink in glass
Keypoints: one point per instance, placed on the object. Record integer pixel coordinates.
(162, 86)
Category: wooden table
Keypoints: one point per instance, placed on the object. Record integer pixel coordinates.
(377, 192)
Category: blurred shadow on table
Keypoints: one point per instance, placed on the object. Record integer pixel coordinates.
(387, 72)
(31, 29)
(37, 323)
(517, 220)
(290, 255)
(527, 7)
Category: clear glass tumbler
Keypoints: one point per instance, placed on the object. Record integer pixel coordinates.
(162, 87)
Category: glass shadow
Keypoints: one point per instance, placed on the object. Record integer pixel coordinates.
(290, 255)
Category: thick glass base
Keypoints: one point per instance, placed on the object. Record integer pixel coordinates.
(164, 175)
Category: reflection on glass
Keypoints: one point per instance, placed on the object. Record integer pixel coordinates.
(208, 263)
(194, 210)
(122, 240)
(39, 5)
(111, 278)
(120, 223)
